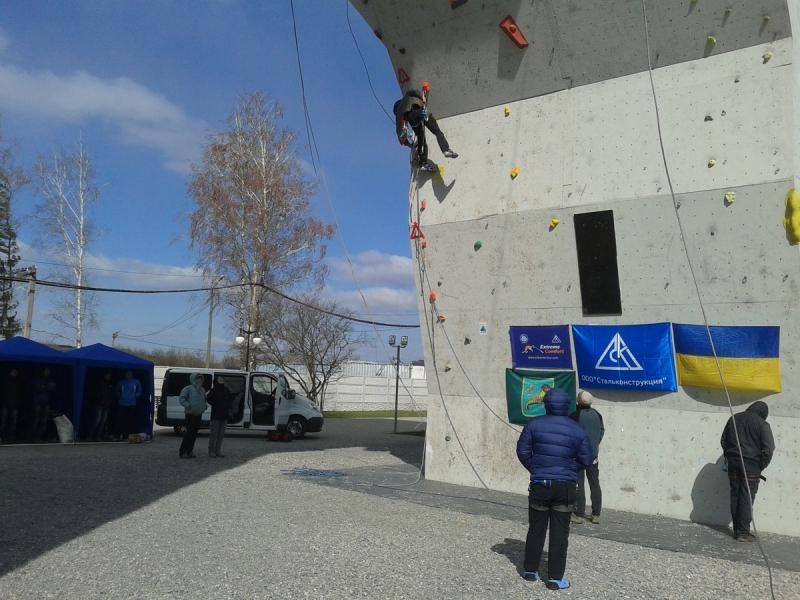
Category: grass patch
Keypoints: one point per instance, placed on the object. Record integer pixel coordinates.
(371, 414)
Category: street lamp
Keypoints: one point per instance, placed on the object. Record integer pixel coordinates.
(247, 336)
(393, 343)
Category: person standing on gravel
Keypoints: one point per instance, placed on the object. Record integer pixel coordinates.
(193, 400)
(552, 448)
(757, 447)
(220, 400)
(592, 423)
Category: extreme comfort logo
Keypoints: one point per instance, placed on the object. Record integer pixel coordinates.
(617, 357)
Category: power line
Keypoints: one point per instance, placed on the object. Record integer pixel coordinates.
(124, 337)
(309, 134)
(151, 273)
(89, 288)
(364, 62)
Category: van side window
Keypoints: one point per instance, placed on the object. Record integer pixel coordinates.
(175, 382)
(263, 384)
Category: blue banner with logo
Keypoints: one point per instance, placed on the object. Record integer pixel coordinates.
(540, 347)
(629, 357)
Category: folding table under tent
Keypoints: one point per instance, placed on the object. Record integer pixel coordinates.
(29, 357)
(91, 362)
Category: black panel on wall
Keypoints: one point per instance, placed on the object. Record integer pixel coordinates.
(597, 263)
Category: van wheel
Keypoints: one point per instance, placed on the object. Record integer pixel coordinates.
(179, 429)
(297, 426)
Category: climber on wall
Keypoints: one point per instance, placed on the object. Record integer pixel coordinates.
(411, 118)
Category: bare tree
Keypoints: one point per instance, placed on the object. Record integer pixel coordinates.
(68, 190)
(310, 346)
(252, 222)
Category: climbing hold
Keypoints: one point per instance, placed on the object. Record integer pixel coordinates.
(440, 174)
(467, 340)
(447, 369)
(457, 3)
(512, 31)
(424, 204)
(378, 34)
(730, 198)
(708, 118)
(424, 244)
(711, 40)
(441, 319)
(426, 87)
(792, 220)
(554, 223)
(506, 111)
(767, 19)
(728, 10)
(402, 76)
(477, 245)
(439, 283)
(416, 232)
(514, 172)
(711, 163)
(432, 297)
(765, 57)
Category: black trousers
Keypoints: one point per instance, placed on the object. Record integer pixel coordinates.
(124, 421)
(422, 143)
(593, 475)
(741, 511)
(549, 504)
(192, 425)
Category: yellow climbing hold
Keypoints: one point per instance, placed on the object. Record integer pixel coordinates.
(766, 56)
(792, 220)
(514, 172)
(711, 40)
(441, 171)
(730, 198)
(711, 163)
(506, 111)
(554, 223)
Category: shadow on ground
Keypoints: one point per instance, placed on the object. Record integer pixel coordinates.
(51, 494)
(514, 551)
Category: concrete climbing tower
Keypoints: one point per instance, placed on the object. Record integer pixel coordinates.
(554, 115)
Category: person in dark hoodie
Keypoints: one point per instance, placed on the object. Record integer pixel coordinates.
(102, 398)
(411, 113)
(552, 448)
(758, 446)
(10, 406)
(592, 423)
(220, 400)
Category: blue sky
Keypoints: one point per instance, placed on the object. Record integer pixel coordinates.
(143, 82)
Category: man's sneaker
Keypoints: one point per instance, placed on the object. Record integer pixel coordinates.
(531, 575)
(595, 519)
(557, 584)
(745, 537)
(450, 153)
(577, 519)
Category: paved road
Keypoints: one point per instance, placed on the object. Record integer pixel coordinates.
(307, 520)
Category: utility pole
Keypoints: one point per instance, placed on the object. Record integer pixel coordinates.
(114, 339)
(210, 326)
(31, 292)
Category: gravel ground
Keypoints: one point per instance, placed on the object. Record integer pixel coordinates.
(121, 521)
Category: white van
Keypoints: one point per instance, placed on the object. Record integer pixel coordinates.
(257, 402)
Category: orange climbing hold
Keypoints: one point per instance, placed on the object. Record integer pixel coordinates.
(509, 25)
(416, 232)
(432, 297)
(426, 87)
(424, 205)
(514, 172)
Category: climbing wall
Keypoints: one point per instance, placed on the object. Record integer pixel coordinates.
(553, 113)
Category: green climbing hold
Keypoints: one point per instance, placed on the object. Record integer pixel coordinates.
(477, 245)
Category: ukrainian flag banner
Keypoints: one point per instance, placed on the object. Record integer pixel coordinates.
(748, 357)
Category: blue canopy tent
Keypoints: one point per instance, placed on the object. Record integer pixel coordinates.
(29, 358)
(91, 362)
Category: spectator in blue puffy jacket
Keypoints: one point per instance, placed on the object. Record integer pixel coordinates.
(553, 448)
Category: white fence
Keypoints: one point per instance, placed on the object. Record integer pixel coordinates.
(365, 386)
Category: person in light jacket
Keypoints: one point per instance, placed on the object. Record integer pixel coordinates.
(193, 401)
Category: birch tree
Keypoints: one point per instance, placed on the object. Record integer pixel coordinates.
(68, 192)
(252, 221)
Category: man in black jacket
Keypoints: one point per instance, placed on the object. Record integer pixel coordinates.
(220, 400)
(410, 112)
(757, 447)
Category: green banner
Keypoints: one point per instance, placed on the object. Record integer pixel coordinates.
(525, 392)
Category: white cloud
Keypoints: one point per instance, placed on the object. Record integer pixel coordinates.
(144, 117)
(399, 304)
(375, 268)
